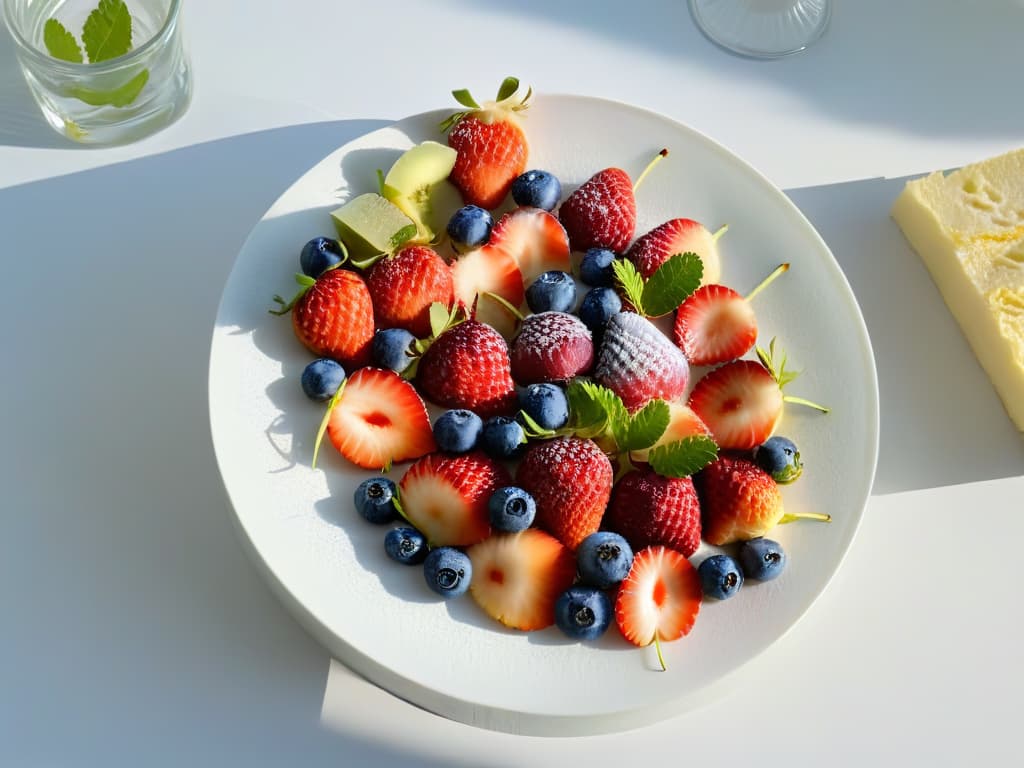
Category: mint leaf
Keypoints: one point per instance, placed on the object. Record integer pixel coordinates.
(107, 33)
(683, 457)
(671, 283)
(595, 409)
(60, 43)
(118, 97)
(646, 426)
(631, 282)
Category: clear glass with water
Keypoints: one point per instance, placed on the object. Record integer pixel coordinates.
(86, 94)
(762, 29)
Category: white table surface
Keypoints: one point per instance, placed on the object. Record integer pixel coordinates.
(134, 631)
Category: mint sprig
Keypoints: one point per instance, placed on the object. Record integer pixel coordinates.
(683, 458)
(646, 426)
(106, 35)
(666, 289)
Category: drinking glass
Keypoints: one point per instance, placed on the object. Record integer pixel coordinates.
(110, 100)
(763, 29)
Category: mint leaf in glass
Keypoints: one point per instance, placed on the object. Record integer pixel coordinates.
(107, 33)
(60, 43)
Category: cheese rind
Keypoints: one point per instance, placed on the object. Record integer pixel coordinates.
(968, 229)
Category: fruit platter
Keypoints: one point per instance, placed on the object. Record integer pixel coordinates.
(545, 413)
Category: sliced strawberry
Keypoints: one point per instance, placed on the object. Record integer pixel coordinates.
(740, 402)
(648, 509)
(551, 346)
(570, 480)
(334, 318)
(652, 250)
(445, 496)
(638, 363)
(683, 422)
(404, 286)
(491, 144)
(468, 366)
(535, 239)
(601, 213)
(715, 325)
(517, 577)
(659, 599)
(489, 269)
(379, 419)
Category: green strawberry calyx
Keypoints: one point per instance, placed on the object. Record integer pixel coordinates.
(776, 365)
(505, 103)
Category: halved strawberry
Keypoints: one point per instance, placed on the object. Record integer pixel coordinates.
(517, 577)
(652, 250)
(551, 346)
(468, 366)
(445, 496)
(404, 286)
(683, 422)
(714, 325)
(535, 239)
(491, 144)
(333, 317)
(570, 479)
(379, 419)
(601, 213)
(489, 269)
(659, 599)
(638, 363)
(740, 402)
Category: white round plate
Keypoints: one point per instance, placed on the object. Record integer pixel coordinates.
(379, 618)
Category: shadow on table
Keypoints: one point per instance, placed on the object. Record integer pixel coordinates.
(942, 422)
(135, 630)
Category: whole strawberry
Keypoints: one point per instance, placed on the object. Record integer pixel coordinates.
(649, 509)
(468, 367)
(570, 479)
(491, 144)
(333, 317)
(740, 501)
(551, 346)
(601, 213)
(404, 286)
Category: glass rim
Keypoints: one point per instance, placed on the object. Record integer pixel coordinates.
(73, 67)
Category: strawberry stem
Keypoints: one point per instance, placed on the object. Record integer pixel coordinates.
(721, 231)
(504, 303)
(323, 422)
(789, 517)
(768, 280)
(305, 283)
(648, 169)
(802, 401)
(657, 647)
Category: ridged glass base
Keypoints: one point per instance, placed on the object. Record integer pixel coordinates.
(762, 28)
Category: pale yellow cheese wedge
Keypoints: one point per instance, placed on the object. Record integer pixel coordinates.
(968, 229)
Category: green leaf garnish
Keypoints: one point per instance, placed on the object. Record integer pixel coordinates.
(107, 33)
(60, 43)
(465, 99)
(646, 426)
(117, 97)
(507, 88)
(671, 283)
(683, 458)
(631, 282)
(532, 428)
(595, 410)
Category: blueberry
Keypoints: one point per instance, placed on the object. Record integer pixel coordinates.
(762, 559)
(447, 571)
(720, 577)
(511, 509)
(598, 306)
(502, 437)
(780, 458)
(603, 559)
(321, 379)
(553, 291)
(470, 227)
(546, 404)
(596, 267)
(537, 189)
(391, 348)
(583, 613)
(319, 254)
(405, 545)
(375, 500)
(457, 431)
